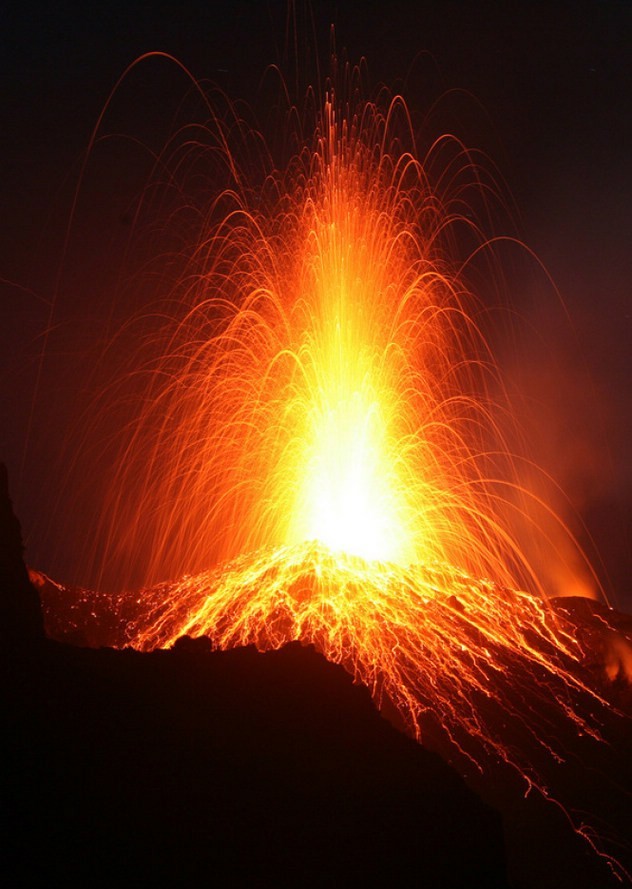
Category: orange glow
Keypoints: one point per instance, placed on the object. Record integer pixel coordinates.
(423, 636)
(323, 376)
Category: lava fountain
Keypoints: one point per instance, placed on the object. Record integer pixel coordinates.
(322, 376)
(319, 446)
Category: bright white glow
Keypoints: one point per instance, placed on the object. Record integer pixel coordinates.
(349, 500)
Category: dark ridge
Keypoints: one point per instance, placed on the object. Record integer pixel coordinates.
(20, 612)
(193, 767)
(183, 767)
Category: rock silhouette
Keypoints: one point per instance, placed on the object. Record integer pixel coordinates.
(237, 768)
(20, 613)
(193, 767)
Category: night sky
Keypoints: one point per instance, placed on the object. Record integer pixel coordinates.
(545, 89)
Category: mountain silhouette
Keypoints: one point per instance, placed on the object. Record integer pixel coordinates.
(193, 767)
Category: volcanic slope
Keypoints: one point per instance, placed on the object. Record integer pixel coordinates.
(192, 767)
(182, 763)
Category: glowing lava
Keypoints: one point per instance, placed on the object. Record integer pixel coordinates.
(426, 637)
(320, 376)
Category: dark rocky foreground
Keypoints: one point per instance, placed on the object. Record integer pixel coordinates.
(189, 768)
(192, 767)
(197, 768)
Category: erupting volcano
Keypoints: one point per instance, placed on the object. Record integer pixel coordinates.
(321, 450)
(318, 373)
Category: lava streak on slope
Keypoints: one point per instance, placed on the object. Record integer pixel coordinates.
(426, 637)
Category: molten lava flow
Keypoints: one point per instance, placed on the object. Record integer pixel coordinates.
(426, 637)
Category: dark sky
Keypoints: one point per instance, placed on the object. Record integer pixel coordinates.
(545, 89)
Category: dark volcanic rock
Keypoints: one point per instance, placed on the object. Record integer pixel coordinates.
(191, 768)
(20, 612)
(186, 767)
